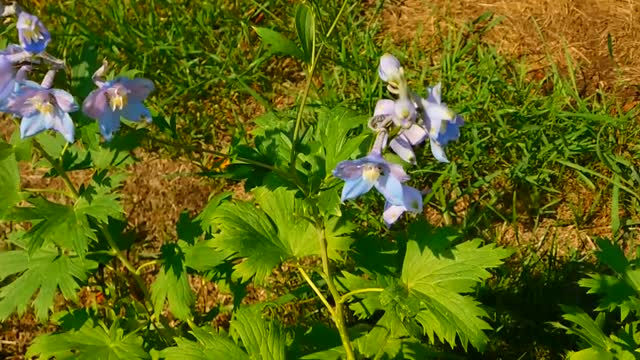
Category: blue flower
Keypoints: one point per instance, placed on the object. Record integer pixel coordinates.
(32, 33)
(372, 171)
(119, 97)
(412, 202)
(442, 124)
(43, 108)
(402, 113)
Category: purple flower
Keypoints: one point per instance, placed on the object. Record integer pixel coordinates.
(390, 69)
(412, 201)
(119, 97)
(403, 114)
(8, 58)
(372, 171)
(42, 108)
(32, 33)
(442, 123)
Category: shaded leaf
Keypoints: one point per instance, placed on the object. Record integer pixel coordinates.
(172, 284)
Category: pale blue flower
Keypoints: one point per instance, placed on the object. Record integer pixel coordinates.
(412, 202)
(119, 97)
(372, 171)
(402, 113)
(32, 33)
(442, 124)
(42, 108)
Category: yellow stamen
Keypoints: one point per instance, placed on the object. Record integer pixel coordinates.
(119, 101)
(43, 107)
(32, 35)
(371, 173)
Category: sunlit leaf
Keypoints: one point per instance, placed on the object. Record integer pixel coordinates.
(261, 339)
(44, 273)
(209, 345)
(89, 343)
(274, 231)
(278, 43)
(436, 274)
(9, 178)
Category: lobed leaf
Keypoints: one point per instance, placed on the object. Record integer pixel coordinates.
(89, 342)
(172, 283)
(44, 272)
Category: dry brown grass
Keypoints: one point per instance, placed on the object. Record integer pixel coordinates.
(538, 29)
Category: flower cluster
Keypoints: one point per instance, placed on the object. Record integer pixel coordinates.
(411, 119)
(42, 107)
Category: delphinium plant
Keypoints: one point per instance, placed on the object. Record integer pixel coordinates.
(388, 289)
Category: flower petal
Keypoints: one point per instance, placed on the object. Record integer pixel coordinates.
(405, 113)
(390, 188)
(450, 132)
(416, 134)
(438, 151)
(65, 101)
(96, 105)
(135, 111)
(384, 107)
(349, 169)
(139, 88)
(32, 33)
(354, 188)
(412, 199)
(109, 123)
(392, 213)
(62, 123)
(435, 94)
(402, 147)
(389, 68)
(32, 125)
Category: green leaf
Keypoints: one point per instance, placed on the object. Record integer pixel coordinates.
(203, 257)
(99, 203)
(45, 272)
(89, 343)
(278, 43)
(262, 339)
(615, 205)
(172, 284)
(9, 178)
(274, 232)
(436, 275)
(612, 255)
(591, 354)
(306, 29)
(333, 128)
(209, 210)
(209, 345)
(588, 330)
(329, 202)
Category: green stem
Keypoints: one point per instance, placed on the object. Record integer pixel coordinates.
(305, 93)
(105, 232)
(346, 296)
(338, 316)
(317, 291)
(52, 191)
